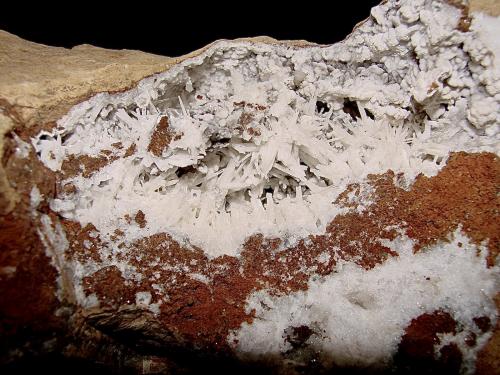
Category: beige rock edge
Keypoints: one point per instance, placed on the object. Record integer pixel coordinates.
(39, 84)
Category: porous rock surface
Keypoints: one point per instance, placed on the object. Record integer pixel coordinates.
(275, 205)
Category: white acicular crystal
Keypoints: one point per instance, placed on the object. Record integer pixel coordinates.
(263, 138)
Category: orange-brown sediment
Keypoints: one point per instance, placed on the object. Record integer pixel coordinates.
(463, 193)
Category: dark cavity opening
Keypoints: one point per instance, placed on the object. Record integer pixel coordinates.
(351, 108)
(184, 170)
(369, 114)
(322, 107)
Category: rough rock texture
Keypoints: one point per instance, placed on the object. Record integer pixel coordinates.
(132, 297)
(45, 82)
(487, 6)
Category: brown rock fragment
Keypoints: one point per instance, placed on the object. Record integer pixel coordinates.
(416, 349)
(140, 219)
(160, 138)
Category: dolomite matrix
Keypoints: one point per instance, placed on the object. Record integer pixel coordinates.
(299, 206)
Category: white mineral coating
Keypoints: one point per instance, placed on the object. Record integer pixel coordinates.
(359, 316)
(277, 169)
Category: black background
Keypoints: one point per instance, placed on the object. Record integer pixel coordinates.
(176, 28)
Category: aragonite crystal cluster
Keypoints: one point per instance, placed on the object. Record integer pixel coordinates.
(286, 205)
